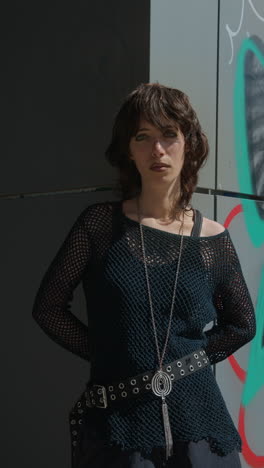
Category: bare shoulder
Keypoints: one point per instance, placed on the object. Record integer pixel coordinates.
(211, 228)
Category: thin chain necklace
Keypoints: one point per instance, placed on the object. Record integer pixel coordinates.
(161, 382)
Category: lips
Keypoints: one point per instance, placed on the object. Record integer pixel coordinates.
(159, 165)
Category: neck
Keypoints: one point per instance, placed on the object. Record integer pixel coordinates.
(154, 204)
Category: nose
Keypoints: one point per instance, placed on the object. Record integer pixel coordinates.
(157, 148)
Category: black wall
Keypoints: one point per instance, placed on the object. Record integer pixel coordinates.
(65, 68)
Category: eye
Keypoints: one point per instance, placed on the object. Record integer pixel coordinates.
(140, 137)
(170, 134)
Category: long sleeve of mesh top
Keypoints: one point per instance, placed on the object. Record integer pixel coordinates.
(236, 324)
(51, 307)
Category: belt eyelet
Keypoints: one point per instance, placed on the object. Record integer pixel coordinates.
(145, 377)
(110, 388)
(133, 382)
(199, 363)
(191, 368)
(113, 397)
(182, 372)
(124, 394)
(179, 363)
(168, 368)
(135, 390)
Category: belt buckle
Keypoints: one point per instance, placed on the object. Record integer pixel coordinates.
(102, 395)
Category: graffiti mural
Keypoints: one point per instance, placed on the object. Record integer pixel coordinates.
(232, 34)
(249, 128)
(253, 377)
(194, 45)
(249, 154)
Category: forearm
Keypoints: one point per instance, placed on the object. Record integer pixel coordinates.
(222, 341)
(67, 331)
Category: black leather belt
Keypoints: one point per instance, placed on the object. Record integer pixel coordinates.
(102, 396)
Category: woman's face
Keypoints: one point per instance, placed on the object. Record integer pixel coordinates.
(151, 147)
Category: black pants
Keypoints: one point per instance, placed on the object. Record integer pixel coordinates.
(187, 455)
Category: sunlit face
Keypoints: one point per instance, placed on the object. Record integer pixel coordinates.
(152, 146)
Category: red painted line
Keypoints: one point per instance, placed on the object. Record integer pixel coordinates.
(256, 461)
(233, 213)
(240, 373)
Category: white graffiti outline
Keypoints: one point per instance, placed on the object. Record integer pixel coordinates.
(255, 11)
(233, 34)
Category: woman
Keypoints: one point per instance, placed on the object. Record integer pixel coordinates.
(154, 273)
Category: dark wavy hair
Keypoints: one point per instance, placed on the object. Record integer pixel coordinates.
(157, 104)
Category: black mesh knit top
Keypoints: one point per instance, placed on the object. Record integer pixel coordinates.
(103, 251)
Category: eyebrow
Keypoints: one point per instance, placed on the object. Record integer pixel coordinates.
(164, 128)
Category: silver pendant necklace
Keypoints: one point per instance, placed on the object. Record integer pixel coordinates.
(161, 383)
